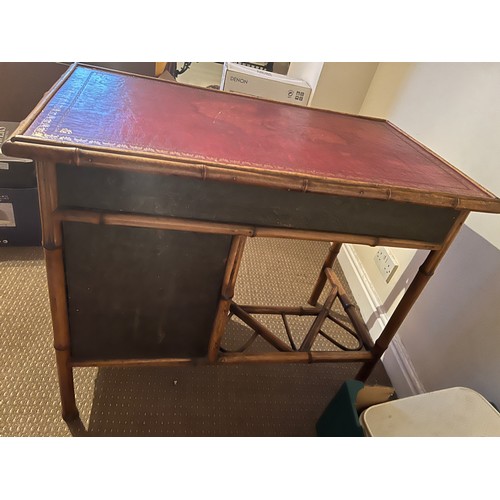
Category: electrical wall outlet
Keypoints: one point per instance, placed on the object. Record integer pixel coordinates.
(386, 263)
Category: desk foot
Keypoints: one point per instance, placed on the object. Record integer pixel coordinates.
(366, 370)
(66, 385)
(70, 415)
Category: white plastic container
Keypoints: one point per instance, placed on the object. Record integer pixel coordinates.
(455, 412)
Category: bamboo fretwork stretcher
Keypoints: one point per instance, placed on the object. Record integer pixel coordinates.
(357, 330)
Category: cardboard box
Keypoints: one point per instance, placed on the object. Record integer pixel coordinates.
(22, 84)
(250, 81)
(19, 217)
(19, 210)
(14, 172)
(371, 395)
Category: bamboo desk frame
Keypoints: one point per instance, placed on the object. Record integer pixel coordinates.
(72, 158)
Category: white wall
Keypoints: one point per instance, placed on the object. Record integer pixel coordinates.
(452, 335)
(454, 109)
(342, 86)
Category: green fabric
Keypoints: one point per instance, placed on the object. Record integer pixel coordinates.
(340, 418)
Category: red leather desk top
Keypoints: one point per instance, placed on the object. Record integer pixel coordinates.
(107, 110)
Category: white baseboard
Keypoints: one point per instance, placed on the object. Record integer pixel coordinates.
(396, 360)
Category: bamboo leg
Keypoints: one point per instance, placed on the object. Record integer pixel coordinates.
(321, 281)
(52, 243)
(227, 292)
(57, 294)
(423, 275)
(66, 386)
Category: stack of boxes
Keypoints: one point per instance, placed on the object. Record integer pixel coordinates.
(22, 85)
(19, 213)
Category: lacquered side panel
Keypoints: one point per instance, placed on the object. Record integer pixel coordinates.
(141, 293)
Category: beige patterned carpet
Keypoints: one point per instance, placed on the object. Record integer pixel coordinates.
(244, 400)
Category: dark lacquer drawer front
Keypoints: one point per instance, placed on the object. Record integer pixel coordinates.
(192, 198)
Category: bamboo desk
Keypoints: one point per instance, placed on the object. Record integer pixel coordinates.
(149, 189)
